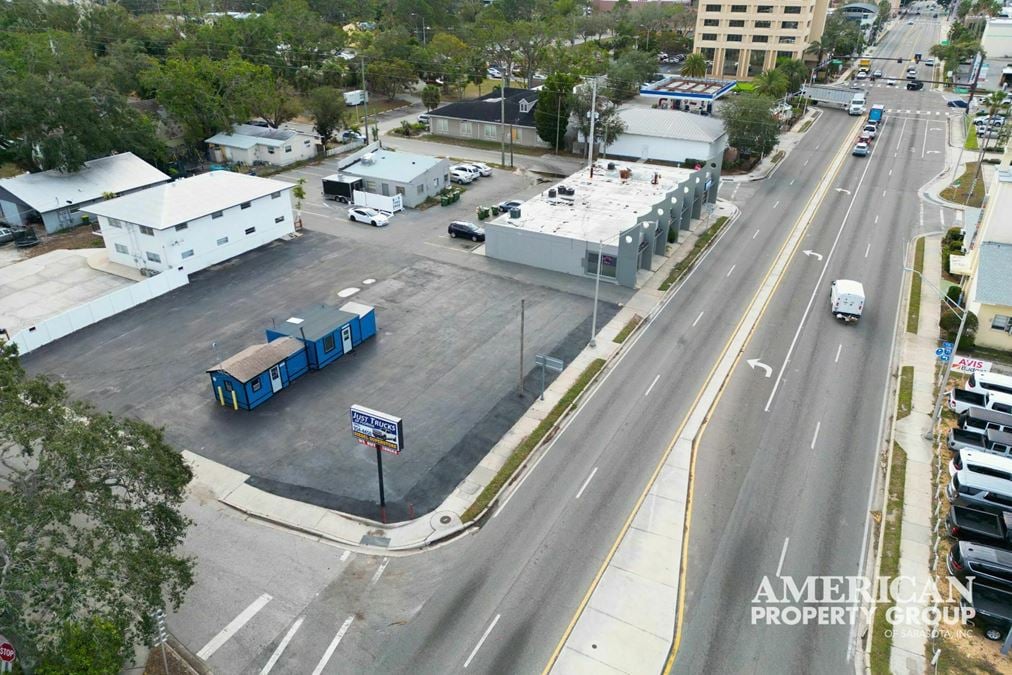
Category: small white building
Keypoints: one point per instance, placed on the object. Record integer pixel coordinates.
(656, 134)
(195, 222)
(997, 38)
(61, 198)
(249, 144)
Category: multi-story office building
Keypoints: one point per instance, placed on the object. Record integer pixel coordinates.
(742, 40)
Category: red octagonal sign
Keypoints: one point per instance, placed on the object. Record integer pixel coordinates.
(7, 652)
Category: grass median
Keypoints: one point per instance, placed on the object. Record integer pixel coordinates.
(959, 191)
(525, 448)
(628, 329)
(684, 265)
(905, 404)
(914, 307)
(881, 639)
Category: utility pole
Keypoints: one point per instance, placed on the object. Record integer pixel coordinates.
(365, 104)
(502, 119)
(597, 287)
(593, 116)
(521, 389)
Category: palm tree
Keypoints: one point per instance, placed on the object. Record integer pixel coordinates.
(694, 66)
(795, 71)
(772, 83)
(994, 103)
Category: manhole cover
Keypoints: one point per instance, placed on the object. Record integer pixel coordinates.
(369, 282)
(347, 292)
(445, 520)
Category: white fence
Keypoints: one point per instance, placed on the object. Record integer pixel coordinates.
(79, 317)
(391, 204)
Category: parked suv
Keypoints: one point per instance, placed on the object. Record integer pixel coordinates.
(465, 230)
(980, 561)
(992, 610)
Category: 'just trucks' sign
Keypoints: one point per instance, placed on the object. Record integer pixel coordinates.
(372, 427)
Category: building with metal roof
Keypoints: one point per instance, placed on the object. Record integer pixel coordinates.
(250, 144)
(60, 197)
(670, 136)
(388, 173)
(627, 213)
(992, 295)
(195, 222)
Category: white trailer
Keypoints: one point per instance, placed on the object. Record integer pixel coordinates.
(846, 299)
(356, 97)
(844, 99)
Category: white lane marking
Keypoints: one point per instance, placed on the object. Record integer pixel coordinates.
(924, 144)
(281, 647)
(586, 483)
(876, 220)
(776, 203)
(379, 572)
(867, 250)
(729, 271)
(838, 350)
(697, 319)
(756, 234)
(941, 216)
(920, 213)
(482, 640)
(651, 387)
(890, 172)
(817, 146)
(818, 425)
(345, 556)
(233, 627)
(333, 645)
(783, 554)
(900, 139)
(818, 283)
(883, 193)
(806, 163)
(792, 181)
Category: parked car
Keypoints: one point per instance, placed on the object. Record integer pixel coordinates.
(494, 73)
(861, 150)
(470, 168)
(986, 563)
(349, 136)
(958, 103)
(466, 230)
(870, 129)
(6, 235)
(25, 237)
(423, 119)
(461, 176)
(915, 85)
(511, 204)
(362, 214)
(992, 610)
(482, 169)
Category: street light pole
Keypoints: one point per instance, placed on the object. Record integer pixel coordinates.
(962, 313)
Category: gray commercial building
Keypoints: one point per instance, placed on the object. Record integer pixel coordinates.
(628, 212)
(389, 173)
(60, 198)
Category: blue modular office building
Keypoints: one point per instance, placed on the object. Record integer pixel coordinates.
(328, 332)
(252, 376)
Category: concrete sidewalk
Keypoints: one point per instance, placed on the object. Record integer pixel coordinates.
(788, 141)
(229, 486)
(917, 536)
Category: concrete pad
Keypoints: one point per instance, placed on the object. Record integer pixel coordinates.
(618, 644)
(220, 479)
(572, 662)
(278, 509)
(681, 454)
(915, 553)
(661, 516)
(637, 601)
(335, 526)
(650, 556)
(672, 483)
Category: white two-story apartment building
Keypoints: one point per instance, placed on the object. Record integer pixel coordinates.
(196, 222)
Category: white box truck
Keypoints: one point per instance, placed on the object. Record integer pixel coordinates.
(356, 97)
(846, 299)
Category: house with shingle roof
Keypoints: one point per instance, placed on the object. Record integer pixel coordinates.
(489, 117)
(250, 144)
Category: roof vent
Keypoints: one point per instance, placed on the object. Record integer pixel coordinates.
(368, 158)
(552, 193)
(611, 166)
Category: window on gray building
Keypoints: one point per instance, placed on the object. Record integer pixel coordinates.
(217, 214)
(608, 264)
(181, 226)
(120, 248)
(279, 219)
(153, 257)
(490, 131)
(146, 230)
(328, 343)
(244, 205)
(442, 126)
(466, 129)
(276, 195)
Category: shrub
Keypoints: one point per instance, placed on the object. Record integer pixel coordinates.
(954, 294)
(949, 324)
(951, 235)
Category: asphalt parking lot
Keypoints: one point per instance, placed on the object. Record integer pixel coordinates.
(446, 357)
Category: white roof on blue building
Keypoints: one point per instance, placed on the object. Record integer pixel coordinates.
(171, 204)
(994, 281)
(400, 167)
(51, 190)
(674, 124)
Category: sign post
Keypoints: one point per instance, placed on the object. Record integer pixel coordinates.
(381, 431)
(547, 362)
(7, 655)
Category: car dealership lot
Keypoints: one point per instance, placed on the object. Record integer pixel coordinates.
(445, 359)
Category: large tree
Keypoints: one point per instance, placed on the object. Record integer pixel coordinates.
(694, 65)
(608, 126)
(551, 115)
(772, 83)
(627, 72)
(326, 105)
(90, 524)
(750, 125)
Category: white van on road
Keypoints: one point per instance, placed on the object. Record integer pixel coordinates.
(846, 299)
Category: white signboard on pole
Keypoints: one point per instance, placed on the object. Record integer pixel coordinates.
(968, 365)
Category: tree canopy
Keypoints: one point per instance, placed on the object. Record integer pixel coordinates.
(750, 125)
(89, 522)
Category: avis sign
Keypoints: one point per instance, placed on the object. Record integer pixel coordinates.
(965, 364)
(378, 429)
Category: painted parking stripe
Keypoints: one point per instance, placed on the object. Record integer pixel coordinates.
(281, 647)
(233, 627)
(333, 645)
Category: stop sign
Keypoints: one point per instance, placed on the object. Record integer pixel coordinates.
(7, 652)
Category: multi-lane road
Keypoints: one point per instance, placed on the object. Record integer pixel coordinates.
(783, 472)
